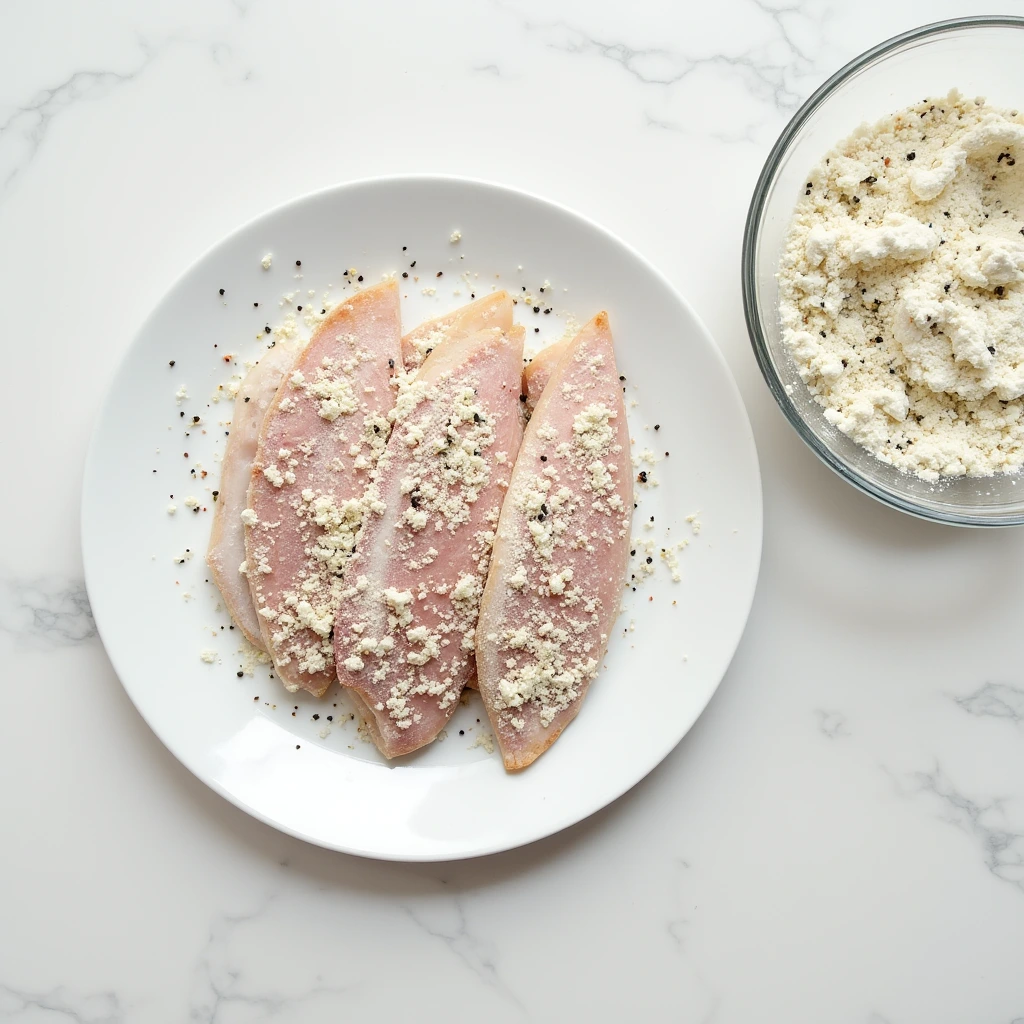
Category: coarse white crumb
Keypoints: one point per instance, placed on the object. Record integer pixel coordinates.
(902, 288)
(266, 261)
(485, 740)
(455, 236)
(208, 655)
(171, 509)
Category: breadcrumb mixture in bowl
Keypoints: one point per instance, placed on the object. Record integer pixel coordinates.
(883, 274)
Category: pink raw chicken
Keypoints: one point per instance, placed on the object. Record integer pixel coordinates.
(538, 371)
(559, 558)
(323, 434)
(494, 310)
(226, 554)
(405, 629)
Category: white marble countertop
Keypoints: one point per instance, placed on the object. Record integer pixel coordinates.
(841, 836)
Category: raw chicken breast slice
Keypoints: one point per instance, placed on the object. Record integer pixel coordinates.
(404, 634)
(322, 435)
(559, 559)
(226, 553)
(493, 310)
(538, 371)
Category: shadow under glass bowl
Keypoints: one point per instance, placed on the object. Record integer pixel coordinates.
(980, 57)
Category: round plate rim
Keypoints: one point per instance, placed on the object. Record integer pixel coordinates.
(418, 179)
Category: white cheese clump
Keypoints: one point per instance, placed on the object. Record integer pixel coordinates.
(902, 288)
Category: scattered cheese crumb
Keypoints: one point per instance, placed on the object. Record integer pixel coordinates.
(485, 740)
(266, 261)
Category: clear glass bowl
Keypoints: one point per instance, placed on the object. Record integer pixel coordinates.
(978, 56)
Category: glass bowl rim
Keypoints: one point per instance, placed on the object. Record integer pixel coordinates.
(751, 312)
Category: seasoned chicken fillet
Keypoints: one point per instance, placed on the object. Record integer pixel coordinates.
(494, 310)
(538, 370)
(226, 554)
(559, 558)
(405, 628)
(322, 435)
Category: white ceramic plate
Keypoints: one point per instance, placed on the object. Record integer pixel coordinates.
(261, 747)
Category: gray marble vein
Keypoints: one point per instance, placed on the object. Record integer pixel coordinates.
(767, 70)
(831, 723)
(677, 924)
(59, 1004)
(446, 920)
(744, 134)
(1001, 842)
(223, 988)
(25, 128)
(46, 611)
(995, 700)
